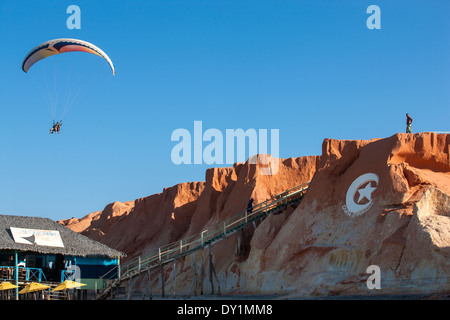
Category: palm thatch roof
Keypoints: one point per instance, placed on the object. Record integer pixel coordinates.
(75, 244)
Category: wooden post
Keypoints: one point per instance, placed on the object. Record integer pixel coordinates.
(195, 275)
(112, 290)
(129, 288)
(203, 238)
(218, 283)
(16, 273)
(162, 279)
(202, 272)
(139, 268)
(238, 245)
(174, 277)
(150, 284)
(211, 280)
(241, 243)
(118, 268)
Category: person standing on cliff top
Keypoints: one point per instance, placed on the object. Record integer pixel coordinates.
(408, 123)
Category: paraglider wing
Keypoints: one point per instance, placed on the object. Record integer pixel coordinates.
(52, 47)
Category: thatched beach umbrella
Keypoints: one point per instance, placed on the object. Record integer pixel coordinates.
(7, 286)
(33, 287)
(68, 284)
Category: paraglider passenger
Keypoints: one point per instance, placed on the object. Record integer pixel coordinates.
(58, 126)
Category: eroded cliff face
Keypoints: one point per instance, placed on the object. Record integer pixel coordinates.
(401, 222)
(142, 226)
(382, 202)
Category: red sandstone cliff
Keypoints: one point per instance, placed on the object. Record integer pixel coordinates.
(401, 222)
(320, 249)
(137, 227)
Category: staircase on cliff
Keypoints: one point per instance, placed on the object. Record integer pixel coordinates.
(213, 234)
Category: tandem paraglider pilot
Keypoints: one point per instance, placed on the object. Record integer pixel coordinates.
(56, 127)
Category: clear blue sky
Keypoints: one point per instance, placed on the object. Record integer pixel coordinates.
(311, 69)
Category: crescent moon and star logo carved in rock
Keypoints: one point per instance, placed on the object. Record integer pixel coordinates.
(359, 195)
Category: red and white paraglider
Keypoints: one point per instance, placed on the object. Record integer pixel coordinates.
(58, 46)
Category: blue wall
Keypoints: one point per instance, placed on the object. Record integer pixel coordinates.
(94, 267)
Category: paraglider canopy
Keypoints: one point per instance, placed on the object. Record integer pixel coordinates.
(57, 46)
(50, 85)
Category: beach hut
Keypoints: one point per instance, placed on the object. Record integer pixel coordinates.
(34, 249)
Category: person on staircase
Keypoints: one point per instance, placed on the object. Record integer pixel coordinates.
(250, 205)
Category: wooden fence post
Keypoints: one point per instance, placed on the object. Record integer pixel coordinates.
(195, 275)
(162, 279)
(174, 277)
(211, 280)
(129, 288)
(202, 272)
(150, 284)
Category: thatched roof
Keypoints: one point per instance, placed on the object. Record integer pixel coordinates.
(75, 244)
